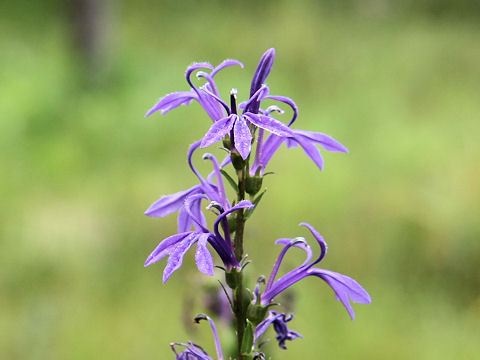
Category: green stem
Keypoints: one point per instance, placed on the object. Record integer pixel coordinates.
(239, 292)
(240, 315)
(240, 218)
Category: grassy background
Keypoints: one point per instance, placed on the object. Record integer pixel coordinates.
(399, 86)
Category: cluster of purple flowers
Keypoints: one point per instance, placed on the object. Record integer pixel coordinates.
(241, 127)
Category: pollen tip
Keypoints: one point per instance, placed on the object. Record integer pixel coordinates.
(207, 156)
(215, 205)
(200, 317)
(234, 92)
(298, 240)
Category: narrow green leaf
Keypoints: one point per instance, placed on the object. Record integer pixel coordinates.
(247, 341)
(232, 182)
(255, 202)
(228, 296)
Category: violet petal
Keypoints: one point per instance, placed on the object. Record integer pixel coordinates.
(300, 245)
(184, 221)
(224, 64)
(203, 258)
(345, 288)
(268, 123)
(289, 102)
(165, 247)
(175, 260)
(171, 101)
(218, 130)
(189, 205)
(194, 67)
(261, 74)
(327, 142)
(242, 137)
(270, 146)
(168, 204)
(321, 242)
(311, 150)
(197, 212)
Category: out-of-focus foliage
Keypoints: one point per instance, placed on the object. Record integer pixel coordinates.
(397, 84)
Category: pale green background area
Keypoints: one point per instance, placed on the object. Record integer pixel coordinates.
(79, 164)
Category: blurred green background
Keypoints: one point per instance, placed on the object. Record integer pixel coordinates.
(398, 84)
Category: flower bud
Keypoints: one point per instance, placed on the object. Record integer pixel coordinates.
(227, 144)
(233, 278)
(256, 313)
(237, 161)
(253, 184)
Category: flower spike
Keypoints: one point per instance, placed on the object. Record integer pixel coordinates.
(251, 134)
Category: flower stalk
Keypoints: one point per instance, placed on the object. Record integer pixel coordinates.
(239, 306)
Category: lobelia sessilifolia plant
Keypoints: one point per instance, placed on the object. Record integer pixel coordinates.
(251, 135)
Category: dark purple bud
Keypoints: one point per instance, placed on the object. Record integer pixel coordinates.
(261, 74)
(279, 323)
(263, 69)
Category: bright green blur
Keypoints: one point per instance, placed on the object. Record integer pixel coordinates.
(79, 164)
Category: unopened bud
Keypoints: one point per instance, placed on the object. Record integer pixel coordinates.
(256, 313)
(237, 161)
(233, 278)
(227, 143)
(253, 184)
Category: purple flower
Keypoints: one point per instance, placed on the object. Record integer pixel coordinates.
(225, 118)
(176, 246)
(279, 322)
(238, 126)
(345, 288)
(196, 352)
(214, 192)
